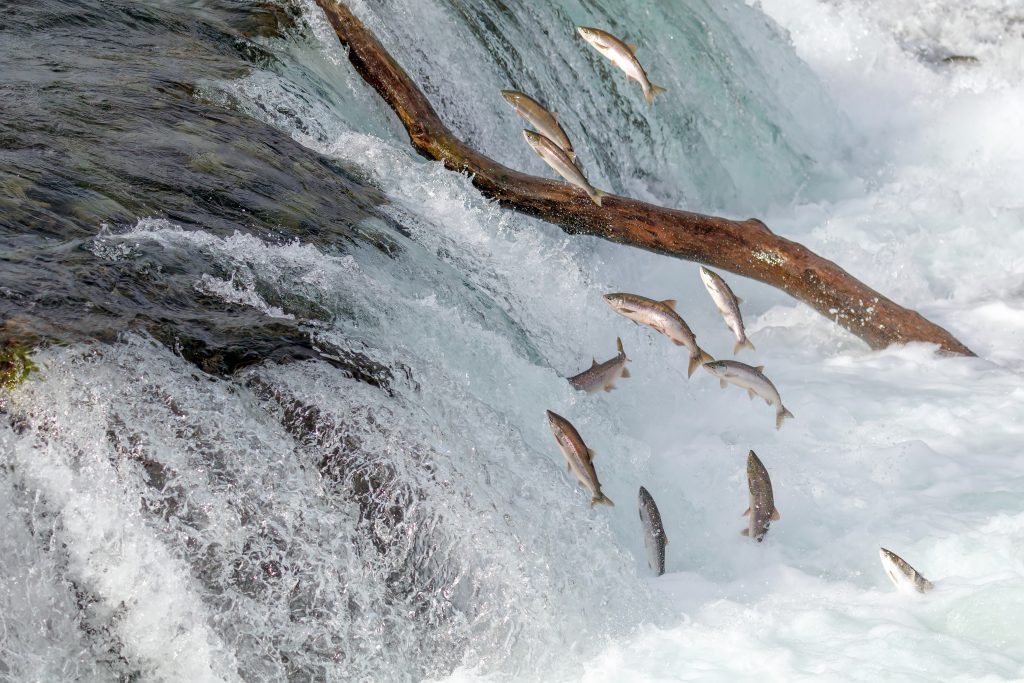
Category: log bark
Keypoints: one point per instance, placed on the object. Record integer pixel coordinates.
(746, 248)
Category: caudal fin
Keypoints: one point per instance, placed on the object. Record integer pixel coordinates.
(697, 360)
(745, 344)
(601, 499)
(782, 415)
(596, 196)
(651, 92)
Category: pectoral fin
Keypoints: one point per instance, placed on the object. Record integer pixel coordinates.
(723, 383)
(746, 513)
(751, 394)
(745, 532)
(625, 373)
(610, 387)
(775, 514)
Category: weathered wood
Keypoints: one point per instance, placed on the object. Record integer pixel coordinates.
(746, 248)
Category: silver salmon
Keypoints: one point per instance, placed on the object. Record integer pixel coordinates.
(578, 458)
(753, 380)
(762, 511)
(906, 578)
(655, 539)
(555, 157)
(621, 55)
(546, 122)
(662, 316)
(602, 376)
(728, 305)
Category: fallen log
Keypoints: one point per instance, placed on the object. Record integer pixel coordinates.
(747, 248)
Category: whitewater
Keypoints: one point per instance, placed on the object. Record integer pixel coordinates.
(396, 508)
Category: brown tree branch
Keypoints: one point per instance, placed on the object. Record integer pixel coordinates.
(746, 248)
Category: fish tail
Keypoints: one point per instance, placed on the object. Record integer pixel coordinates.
(651, 92)
(698, 359)
(782, 415)
(745, 344)
(601, 499)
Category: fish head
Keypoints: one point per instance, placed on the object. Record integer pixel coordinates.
(755, 468)
(716, 368)
(618, 302)
(557, 424)
(512, 97)
(707, 277)
(532, 138)
(645, 497)
(899, 572)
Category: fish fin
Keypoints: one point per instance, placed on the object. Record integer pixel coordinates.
(678, 343)
(745, 344)
(554, 114)
(751, 394)
(598, 195)
(746, 513)
(738, 301)
(572, 156)
(651, 92)
(775, 514)
(593, 361)
(696, 361)
(723, 383)
(568, 467)
(601, 499)
(610, 387)
(759, 368)
(591, 454)
(745, 532)
(926, 585)
(628, 310)
(671, 303)
(618, 344)
(625, 373)
(782, 415)
(665, 536)
(632, 48)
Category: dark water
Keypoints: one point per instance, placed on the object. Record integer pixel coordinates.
(102, 122)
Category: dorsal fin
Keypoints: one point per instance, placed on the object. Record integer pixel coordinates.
(618, 343)
(591, 454)
(738, 301)
(632, 48)
(554, 114)
(671, 303)
(759, 368)
(593, 362)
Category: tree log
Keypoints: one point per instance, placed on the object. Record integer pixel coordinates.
(747, 248)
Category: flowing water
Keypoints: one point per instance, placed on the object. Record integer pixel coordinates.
(288, 419)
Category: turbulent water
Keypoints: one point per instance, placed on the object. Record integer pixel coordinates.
(288, 420)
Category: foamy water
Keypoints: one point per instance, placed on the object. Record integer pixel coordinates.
(292, 520)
